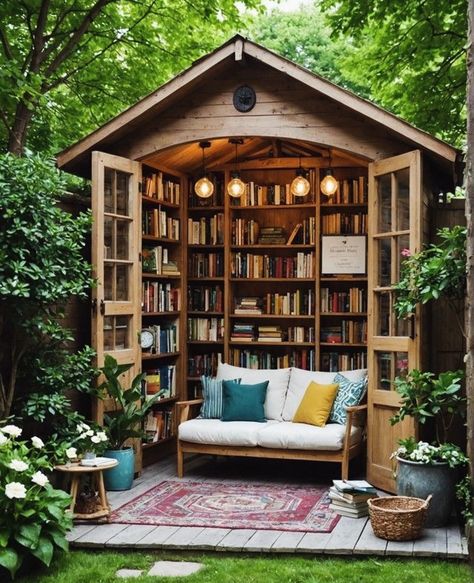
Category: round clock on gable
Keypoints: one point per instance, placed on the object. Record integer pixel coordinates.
(244, 98)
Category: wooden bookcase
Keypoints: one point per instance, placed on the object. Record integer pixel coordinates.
(221, 259)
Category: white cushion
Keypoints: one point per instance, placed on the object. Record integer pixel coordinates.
(217, 432)
(287, 435)
(300, 379)
(277, 385)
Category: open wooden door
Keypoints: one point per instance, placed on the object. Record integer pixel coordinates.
(395, 204)
(116, 210)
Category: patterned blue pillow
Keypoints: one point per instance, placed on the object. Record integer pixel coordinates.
(349, 394)
(212, 395)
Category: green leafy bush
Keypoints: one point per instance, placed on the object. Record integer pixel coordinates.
(34, 518)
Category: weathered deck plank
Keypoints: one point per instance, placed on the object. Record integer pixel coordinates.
(368, 543)
(209, 538)
(261, 540)
(99, 535)
(155, 538)
(235, 540)
(433, 543)
(344, 537)
(182, 537)
(287, 542)
(130, 536)
(313, 542)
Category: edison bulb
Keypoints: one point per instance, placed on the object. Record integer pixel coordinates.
(300, 186)
(204, 187)
(236, 187)
(329, 185)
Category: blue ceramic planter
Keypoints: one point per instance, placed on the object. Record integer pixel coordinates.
(120, 477)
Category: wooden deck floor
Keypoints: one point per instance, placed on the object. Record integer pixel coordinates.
(349, 537)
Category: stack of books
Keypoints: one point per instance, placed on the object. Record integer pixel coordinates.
(242, 333)
(270, 334)
(349, 498)
(249, 306)
(272, 236)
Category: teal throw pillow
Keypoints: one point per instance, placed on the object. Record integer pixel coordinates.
(349, 394)
(244, 402)
(212, 396)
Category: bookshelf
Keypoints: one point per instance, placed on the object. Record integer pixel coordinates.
(161, 305)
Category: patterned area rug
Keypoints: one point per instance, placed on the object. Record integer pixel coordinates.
(230, 505)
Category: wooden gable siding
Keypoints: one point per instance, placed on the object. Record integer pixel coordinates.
(284, 109)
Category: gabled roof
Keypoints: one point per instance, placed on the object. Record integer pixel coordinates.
(235, 50)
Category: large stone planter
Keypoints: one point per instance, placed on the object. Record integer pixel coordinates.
(421, 480)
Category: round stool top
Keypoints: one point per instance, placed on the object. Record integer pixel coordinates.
(76, 467)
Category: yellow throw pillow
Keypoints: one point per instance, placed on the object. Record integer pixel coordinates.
(316, 404)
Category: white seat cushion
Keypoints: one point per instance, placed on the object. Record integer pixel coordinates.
(286, 435)
(217, 432)
(299, 381)
(278, 380)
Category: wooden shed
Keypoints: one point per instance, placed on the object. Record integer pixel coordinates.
(272, 278)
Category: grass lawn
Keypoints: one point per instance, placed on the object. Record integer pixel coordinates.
(100, 567)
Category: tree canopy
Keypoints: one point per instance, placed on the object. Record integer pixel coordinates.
(66, 66)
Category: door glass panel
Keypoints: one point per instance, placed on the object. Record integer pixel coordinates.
(108, 282)
(403, 248)
(384, 314)
(385, 262)
(385, 203)
(109, 252)
(108, 333)
(402, 327)
(122, 288)
(122, 229)
(389, 366)
(122, 193)
(116, 332)
(402, 178)
(108, 190)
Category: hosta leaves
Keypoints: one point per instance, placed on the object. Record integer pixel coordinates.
(11, 560)
(28, 535)
(44, 550)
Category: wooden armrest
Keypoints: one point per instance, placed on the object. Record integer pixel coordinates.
(189, 403)
(184, 408)
(356, 408)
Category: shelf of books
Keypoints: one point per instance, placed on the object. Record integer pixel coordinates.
(162, 302)
(272, 271)
(342, 307)
(205, 238)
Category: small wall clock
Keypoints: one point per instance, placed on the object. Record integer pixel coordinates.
(147, 339)
(244, 98)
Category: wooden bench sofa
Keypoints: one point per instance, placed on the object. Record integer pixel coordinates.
(278, 438)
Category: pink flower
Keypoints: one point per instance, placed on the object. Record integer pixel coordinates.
(405, 253)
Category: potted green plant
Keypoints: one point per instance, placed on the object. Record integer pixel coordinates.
(123, 423)
(425, 468)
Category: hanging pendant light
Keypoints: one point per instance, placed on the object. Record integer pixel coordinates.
(236, 187)
(329, 184)
(300, 185)
(204, 188)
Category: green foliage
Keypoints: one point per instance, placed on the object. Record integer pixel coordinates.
(439, 271)
(412, 55)
(465, 495)
(34, 518)
(304, 37)
(429, 454)
(84, 61)
(126, 421)
(425, 396)
(41, 267)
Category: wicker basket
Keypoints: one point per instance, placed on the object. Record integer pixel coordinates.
(398, 517)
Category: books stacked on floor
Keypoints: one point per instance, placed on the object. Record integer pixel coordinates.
(272, 236)
(242, 332)
(349, 498)
(249, 306)
(270, 334)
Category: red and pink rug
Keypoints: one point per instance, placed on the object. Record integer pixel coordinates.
(227, 505)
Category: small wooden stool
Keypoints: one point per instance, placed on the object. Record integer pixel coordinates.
(76, 471)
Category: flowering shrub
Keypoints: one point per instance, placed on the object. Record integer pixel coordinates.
(89, 439)
(426, 453)
(33, 521)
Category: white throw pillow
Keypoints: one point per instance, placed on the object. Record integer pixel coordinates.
(300, 379)
(278, 380)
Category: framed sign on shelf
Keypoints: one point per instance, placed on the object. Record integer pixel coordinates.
(343, 255)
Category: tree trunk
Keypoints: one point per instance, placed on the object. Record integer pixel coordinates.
(470, 255)
(18, 133)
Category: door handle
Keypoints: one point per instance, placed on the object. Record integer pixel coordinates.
(411, 327)
(94, 305)
(102, 307)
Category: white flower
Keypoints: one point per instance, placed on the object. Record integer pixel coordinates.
(84, 427)
(82, 436)
(15, 490)
(18, 465)
(102, 436)
(39, 478)
(90, 433)
(3, 439)
(37, 442)
(12, 430)
(95, 439)
(71, 453)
